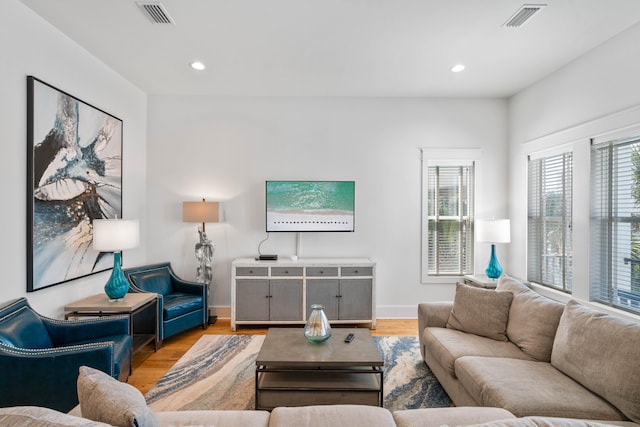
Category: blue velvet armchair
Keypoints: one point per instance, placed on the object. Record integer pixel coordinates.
(181, 304)
(40, 357)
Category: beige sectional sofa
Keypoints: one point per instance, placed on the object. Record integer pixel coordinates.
(306, 416)
(515, 349)
(507, 358)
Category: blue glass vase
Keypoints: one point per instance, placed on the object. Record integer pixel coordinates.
(117, 286)
(493, 270)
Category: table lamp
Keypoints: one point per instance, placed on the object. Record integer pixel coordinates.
(115, 235)
(202, 212)
(493, 231)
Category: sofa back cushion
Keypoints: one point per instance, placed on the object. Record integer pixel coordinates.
(24, 329)
(158, 281)
(600, 352)
(533, 319)
(508, 283)
(480, 311)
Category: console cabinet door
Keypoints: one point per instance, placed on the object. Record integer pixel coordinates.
(325, 292)
(285, 299)
(252, 299)
(355, 299)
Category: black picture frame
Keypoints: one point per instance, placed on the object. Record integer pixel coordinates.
(74, 175)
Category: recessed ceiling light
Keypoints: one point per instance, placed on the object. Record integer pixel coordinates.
(197, 65)
(457, 68)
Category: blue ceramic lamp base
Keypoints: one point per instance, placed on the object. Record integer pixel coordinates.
(493, 270)
(117, 286)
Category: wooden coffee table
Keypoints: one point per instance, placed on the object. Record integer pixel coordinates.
(290, 371)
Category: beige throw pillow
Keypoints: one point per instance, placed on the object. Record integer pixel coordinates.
(105, 399)
(533, 319)
(600, 351)
(480, 311)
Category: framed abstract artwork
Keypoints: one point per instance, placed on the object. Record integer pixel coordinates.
(74, 175)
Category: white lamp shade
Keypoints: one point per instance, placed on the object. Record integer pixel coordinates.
(493, 230)
(200, 211)
(115, 235)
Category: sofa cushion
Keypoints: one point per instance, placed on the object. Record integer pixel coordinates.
(214, 418)
(542, 422)
(108, 400)
(36, 416)
(332, 415)
(24, 329)
(460, 416)
(480, 311)
(530, 388)
(600, 351)
(447, 345)
(533, 319)
(178, 303)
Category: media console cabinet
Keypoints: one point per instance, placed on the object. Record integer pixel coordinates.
(282, 292)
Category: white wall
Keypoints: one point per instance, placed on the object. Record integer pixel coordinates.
(31, 46)
(596, 94)
(225, 148)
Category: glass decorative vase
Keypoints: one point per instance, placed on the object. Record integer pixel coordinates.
(317, 330)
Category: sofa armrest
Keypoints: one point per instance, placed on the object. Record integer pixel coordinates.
(47, 377)
(67, 332)
(433, 314)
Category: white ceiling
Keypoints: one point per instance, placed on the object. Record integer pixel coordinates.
(400, 48)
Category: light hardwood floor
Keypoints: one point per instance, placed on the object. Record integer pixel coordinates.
(150, 366)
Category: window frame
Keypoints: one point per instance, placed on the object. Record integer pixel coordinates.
(445, 157)
(566, 285)
(604, 228)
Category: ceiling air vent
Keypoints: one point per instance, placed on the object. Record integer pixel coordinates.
(156, 12)
(523, 15)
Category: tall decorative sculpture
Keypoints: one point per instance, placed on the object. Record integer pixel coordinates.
(202, 212)
(204, 255)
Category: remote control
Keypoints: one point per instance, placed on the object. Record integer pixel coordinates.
(349, 338)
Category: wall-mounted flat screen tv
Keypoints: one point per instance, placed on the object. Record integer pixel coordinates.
(310, 205)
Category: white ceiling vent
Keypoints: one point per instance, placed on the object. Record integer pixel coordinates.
(156, 12)
(523, 15)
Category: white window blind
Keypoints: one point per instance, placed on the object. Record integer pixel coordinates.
(549, 243)
(450, 219)
(615, 224)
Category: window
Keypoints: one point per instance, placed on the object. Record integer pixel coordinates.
(448, 218)
(615, 223)
(549, 243)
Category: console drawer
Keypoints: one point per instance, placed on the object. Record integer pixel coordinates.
(322, 271)
(357, 271)
(252, 271)
(286, 271)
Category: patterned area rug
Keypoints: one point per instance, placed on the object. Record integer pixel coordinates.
(218, 372)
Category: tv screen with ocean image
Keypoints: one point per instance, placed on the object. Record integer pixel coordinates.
(310, 205)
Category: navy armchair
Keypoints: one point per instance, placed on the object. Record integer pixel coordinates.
(181, 304)
(40, 357)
